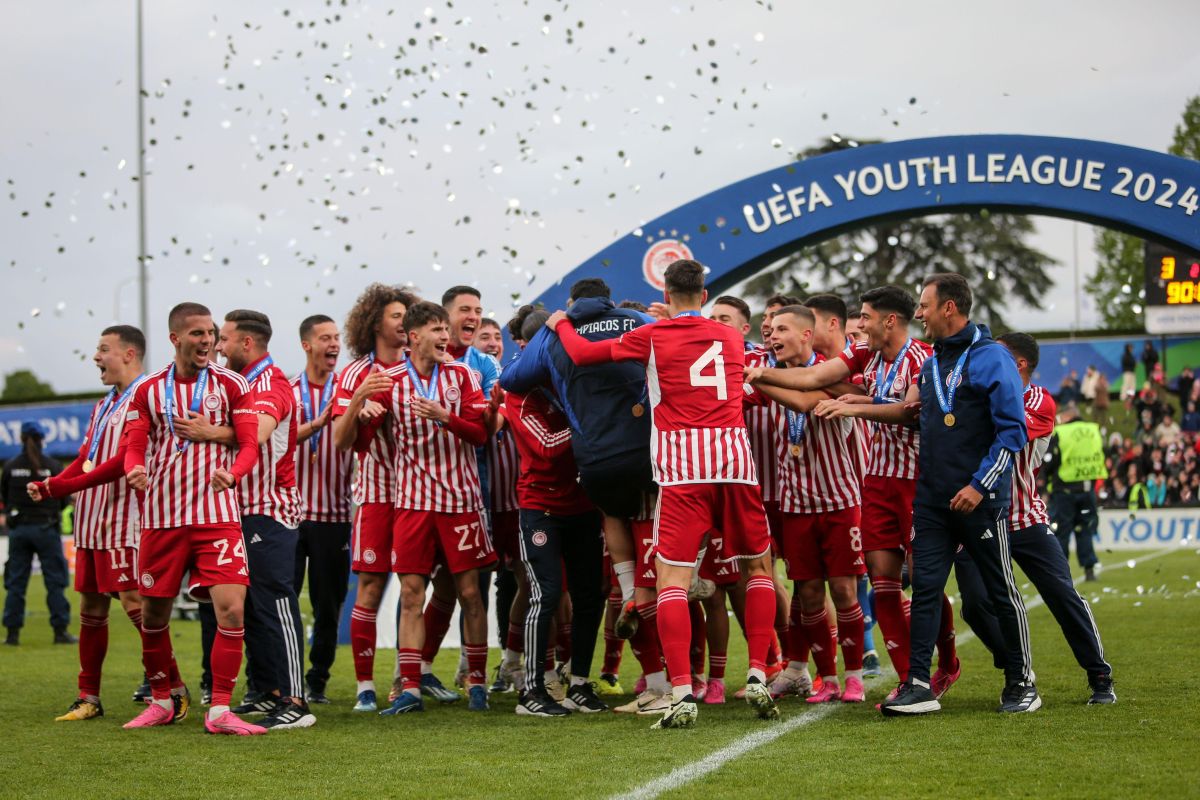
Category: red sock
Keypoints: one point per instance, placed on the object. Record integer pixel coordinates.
(716, 665)
(893, 622)
(644, 644)
(476, 663)
(437, 622)
(820, 639)
(362, 642)
(675, 633)
(760, 619)
(410, 667)
(699, 637)
(548, 663)
(156, 659)
(947, 653)
(173, 677)
(613, 646)
(850, 635)
(797, 639)
(93, 646)
(226, 661)
(515, 642)
(562, 645)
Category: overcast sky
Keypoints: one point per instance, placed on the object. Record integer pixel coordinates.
(498, 144)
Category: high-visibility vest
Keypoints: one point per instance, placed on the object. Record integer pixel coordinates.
(1082, 449)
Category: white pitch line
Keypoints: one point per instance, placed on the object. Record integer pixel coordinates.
(681, 776)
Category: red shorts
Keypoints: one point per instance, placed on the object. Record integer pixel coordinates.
(686, 512)
(371, 537)
(213, 555)
(887, 512)
(506, 535)
(420, 537)
(722, 573)
(826, 545)
(645, 576)
(774, 524)
(106, 571)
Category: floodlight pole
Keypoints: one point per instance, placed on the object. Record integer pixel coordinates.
(143, 299)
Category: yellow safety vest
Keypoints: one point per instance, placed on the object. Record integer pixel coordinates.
(1082, 451)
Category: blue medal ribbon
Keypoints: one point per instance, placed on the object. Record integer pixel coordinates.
(945, 397)
(111, 404)
(259, 369)
(429, 393)
(169, 401)
(796, 420)
(882, 384)
(686, 314)
(306, 400)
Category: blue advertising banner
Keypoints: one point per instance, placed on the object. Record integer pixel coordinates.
(65, 425)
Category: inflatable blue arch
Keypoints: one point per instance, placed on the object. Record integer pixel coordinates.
(737, 230)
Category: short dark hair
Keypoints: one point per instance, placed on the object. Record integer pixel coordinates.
(514, 324)
(184, 310)
(128, 336)
(454, 291)
(803, 312)
(735, 302)
(590, 287)
(684, 277)
(829, 304)
(488, 322)
(311, 322)
(891, 300)
(534, 322)
(254, 323)
(421, 314)
(781, 300)
(633, 305)
(1023, 345)
(853, 314)
(951, 287)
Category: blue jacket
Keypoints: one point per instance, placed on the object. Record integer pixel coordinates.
(989, 425)
(597, 400)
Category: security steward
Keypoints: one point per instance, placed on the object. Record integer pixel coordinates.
(1076, 462)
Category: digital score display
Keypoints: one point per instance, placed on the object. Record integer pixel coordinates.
(1172, 276)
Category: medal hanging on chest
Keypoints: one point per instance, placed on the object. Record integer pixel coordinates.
(953, 380)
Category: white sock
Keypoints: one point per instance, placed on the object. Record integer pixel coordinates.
(426, 668)
(680, 692)
(366, 686)
(167, 704)
(413, 692)
(657, 683)
(757, 673)
(578, 681)
(512, 659)
(624, 573)
(854, 673)
(550, 676)
(798, 666)
(830, 680)
(216, 711)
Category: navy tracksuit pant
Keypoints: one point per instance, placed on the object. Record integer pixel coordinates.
(324, 548)
(1036, 551)
(983, 533)
(274, 630)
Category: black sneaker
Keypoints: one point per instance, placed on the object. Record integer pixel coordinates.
(205, 694)
(255, 703)
(914, 698)
(1102, 691)
(289, 714)
(63, 636)
(143, 693)
(582, 697)
(14, 637)
(316, 695)
(1019, 698)
(538, 703)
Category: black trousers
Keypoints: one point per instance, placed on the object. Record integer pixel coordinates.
(1038, 554)
(551, 545)
(24, 542)
(984, 535)
(274, 631)
(324, 549)
(1073, 510)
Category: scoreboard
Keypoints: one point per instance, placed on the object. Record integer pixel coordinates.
(1172, 290)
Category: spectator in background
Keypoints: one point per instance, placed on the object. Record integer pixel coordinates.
(1087, 388)
(1149, 406)
(1068, 391)
(1128, 375)
(33, 529)
(1184, 385)
(1149, 357)
(1190, 423)
(1156, 488)
(1138, 496)
(1167, 432)
(1100, 405)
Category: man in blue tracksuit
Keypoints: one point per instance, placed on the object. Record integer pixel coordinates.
(972, 419)
(606, 406)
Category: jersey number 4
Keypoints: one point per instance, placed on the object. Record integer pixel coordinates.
(717, 379)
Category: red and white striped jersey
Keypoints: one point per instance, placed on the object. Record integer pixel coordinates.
(894, 448)
(764, 434)
(694, 376)
(107, 516)
(1028, 508)
(179, 493)
(375, 479)
(270, 488)
(322, 471)
(503, 469)
(435, 469)
(822, 476)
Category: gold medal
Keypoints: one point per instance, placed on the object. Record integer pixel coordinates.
(949, 420)
(88, 466)
(878, 437)
(312, 458)
(638, 409)
(795, 450)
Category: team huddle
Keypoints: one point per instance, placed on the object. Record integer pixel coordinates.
(634, 470)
